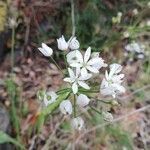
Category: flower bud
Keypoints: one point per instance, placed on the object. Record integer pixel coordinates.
(66, 107)
(62, 44)
(45, 50)
(50, 97)
(77, 123)
(74, 43)
(82, 100)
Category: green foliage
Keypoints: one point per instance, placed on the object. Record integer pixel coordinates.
(49, 109)
(121, 138)
(4, 138)
(13, 96)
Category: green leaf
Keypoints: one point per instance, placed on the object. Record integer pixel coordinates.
(50, 108)
(5, 138)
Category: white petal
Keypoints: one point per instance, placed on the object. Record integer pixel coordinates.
(105, 88)
(77, 123)
(75, 64)
(53, 96)
(68, 80)
(71, 57)
(83, 78)
(117, 78)
(45, 50)
(71, 73)
(46, 101)
(66, 107)
(87, 54)
(62, 44)
(42, 51)
(75, 88)
(118, 88)
(94, 61)
(73, 43)
(84, 85)
(92, 69)
(97, 63)
(74, 57)
(115, 69)
(82, 100)
(78, 71)
(106, 75)
(84, 72)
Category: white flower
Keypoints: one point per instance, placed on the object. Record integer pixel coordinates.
(135, 47)
(114, 69)
(117, 19)
(119, 14)
(66, 107)
(107, 116)
(77, 80)
(73, 43)
(135, 11)
(77, 123)
(148, 23)
(140, 56)
(73, 57)
(50, 97)
(62, 44)
(126, 34)
(111, 84)
(86, 64)
(82, 100)
(45, 50)
(12, 23)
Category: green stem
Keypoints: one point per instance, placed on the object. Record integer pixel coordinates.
(106, 102)
(74, 106)
(65, 60)
(95, 110)
(12, 49)
(73, 18)
(57, 65)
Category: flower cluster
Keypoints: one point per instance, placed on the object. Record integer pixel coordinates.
(82, 67)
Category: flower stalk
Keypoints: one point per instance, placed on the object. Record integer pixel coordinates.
(12, 48)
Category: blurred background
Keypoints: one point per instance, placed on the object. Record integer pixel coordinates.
(108, 26)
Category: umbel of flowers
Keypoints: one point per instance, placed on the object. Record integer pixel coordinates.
(82, 68)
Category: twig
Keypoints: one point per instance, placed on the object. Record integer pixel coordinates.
(114, 121)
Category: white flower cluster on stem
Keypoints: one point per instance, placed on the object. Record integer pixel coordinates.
(81, 68)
